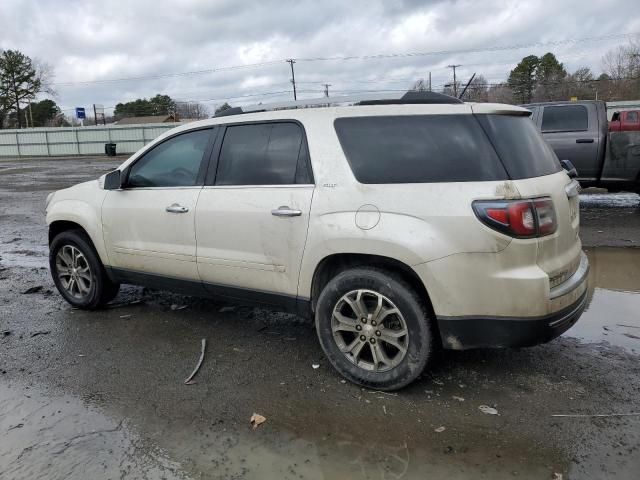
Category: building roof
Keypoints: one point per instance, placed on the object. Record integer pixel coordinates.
(147, 119)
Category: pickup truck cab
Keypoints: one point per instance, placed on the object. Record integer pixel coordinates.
(579, 132)
(625, 121)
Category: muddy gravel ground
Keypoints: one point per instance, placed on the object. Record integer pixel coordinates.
(102, 394)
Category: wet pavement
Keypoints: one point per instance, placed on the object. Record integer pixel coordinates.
(102, 394)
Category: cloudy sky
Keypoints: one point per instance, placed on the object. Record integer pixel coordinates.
(110, 51)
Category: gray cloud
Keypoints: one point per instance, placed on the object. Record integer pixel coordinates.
(96, 40)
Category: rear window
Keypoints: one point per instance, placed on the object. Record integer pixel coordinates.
(522, 149)
(418, 149)
(568, 118)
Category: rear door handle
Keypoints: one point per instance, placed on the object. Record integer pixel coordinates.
(175, 208)
(584, 140)
(286, 212)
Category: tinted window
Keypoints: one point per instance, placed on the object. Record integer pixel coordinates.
(174, 163)
(569, 118)
(522, 149)
(632, 117)
(418, 149)
(263, 154)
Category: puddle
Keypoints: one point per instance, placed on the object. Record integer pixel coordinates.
(59, 437)
(613, 316)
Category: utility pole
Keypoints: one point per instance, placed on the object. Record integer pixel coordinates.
(95, 115)
(291, 61)
(429, 81)
(455, 86)
(326, 89)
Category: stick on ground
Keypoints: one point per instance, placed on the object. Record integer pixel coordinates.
(189, 380)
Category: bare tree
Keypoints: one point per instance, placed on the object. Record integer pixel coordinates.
(622, 66)
(500, 93)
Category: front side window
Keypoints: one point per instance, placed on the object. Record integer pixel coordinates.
(418, 149)
(174, 163)
(263, 154)
(568, 118)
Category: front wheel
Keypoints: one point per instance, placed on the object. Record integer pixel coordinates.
(374, 328)
(78, 272)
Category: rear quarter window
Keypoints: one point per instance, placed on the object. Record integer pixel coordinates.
(523, 151)
(418, 149)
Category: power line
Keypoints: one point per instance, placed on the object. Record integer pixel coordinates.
(350, 57)
(470, 50)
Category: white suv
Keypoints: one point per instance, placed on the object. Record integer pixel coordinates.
(400, 224)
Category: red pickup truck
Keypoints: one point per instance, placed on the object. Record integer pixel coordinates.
(625, 121)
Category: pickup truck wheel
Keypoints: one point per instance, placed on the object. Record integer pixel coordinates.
(78, 272)
(374, 328)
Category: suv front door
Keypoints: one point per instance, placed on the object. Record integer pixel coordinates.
(149, 224)
(253, 213)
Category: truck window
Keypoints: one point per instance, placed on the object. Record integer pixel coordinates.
(632, 117)
(566, 118)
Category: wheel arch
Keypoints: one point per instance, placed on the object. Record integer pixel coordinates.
(333, 264)
(56, 227)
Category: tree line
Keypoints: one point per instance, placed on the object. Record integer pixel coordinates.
(22, 79)
(545, 79)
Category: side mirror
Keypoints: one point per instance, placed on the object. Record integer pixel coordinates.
(113, 180)
(568, 166)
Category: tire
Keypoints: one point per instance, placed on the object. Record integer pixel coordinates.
(86, 286)
(337, 331)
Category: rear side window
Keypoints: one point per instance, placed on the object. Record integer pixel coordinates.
(263, 154)
(418, 149)
(632, 117)
(568, 118)
(523, 151)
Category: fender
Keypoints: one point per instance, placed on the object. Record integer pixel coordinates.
(85, 214)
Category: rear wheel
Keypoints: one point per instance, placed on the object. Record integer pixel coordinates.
(374, 328)
(78, 272)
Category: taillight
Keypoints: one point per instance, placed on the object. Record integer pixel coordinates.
(518, 218)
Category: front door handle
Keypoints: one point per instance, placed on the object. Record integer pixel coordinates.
(584, 140)
(175, 208)
(285, 211)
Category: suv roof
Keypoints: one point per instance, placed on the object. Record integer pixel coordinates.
(402, 98)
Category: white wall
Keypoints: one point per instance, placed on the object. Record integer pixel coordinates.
(88, 140)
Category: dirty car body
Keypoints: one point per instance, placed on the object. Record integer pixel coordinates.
(411, 224)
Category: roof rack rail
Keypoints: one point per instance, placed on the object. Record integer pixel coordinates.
(400, 98)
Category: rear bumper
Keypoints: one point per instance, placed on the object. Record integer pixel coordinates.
(461, 333)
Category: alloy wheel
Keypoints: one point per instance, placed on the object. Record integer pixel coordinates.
(73, 271)
(370, 330)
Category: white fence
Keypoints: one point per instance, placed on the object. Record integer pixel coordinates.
(65, 141)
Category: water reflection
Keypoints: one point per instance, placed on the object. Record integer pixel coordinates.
(613, 316)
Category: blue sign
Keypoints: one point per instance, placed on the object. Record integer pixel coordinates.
(80, 113)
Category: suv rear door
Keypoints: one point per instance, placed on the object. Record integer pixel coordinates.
(572, 131)
(253, 213)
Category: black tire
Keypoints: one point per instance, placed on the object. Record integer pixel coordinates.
(102, 290)
(418, 342)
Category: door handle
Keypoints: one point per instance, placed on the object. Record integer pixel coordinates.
(175, 208)
(286, 212)
(584, 140)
